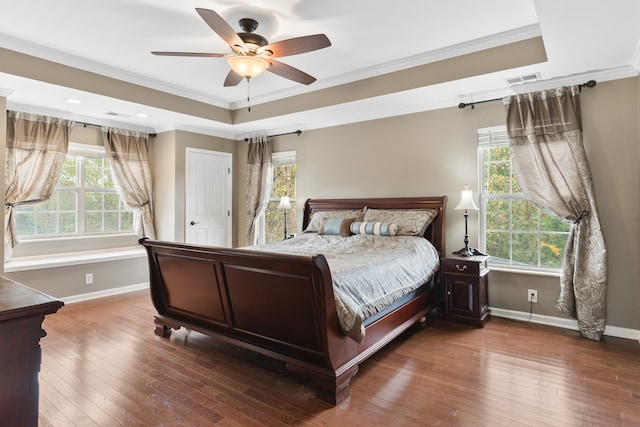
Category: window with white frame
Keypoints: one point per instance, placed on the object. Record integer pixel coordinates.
(284, 184)
(512, 230)
(85, 201)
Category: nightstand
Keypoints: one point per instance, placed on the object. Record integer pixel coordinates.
(466, 289)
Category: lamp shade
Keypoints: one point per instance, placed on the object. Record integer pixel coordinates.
(284, 203)
(247, 66)
(466, 200)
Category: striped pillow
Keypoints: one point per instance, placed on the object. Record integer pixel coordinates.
(339, 226)
(375, 228)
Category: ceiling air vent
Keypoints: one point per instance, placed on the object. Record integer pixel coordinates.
(522, 79)
(113, 113)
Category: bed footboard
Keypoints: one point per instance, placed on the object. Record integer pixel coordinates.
(279, 305)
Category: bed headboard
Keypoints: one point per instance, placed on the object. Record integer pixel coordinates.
(435, 233)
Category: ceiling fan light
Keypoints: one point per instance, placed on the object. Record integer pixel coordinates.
(247, 66)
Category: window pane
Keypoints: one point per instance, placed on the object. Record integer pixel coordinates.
(126, 220)
(524, 216)
(50, 205)
(552, 249)
(525, 248)
(97, 174)
(46, 223)
(93, 176)
(553, 223)
(93, 201)
(93, 222)
(498, 214)
(68, 223)
(111, 221)
(498, 244)
(111, 201)
(68, 173)
(26, 221)
(67, 200)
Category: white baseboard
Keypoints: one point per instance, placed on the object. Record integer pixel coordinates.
(559, 322)
(105, 293)
(613, 331)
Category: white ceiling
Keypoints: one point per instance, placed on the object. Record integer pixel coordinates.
(584, 39)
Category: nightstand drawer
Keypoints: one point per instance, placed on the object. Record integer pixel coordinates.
(465, 266)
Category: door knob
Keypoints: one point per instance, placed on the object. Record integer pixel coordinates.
(194, 223)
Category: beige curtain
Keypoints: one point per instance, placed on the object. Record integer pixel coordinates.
(128, 153)
(259, 181)
(36, 146)
(551, 167)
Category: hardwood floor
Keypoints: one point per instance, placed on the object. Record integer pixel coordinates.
(102, 365)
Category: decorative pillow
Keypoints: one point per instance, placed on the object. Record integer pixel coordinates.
(318, 218)
(340, 226)
(375, 228)
(410, 222)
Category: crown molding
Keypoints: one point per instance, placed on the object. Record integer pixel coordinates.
(70, 60)
(75, 117)
(483, 43)
(5, 93)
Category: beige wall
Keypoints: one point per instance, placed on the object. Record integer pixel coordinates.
(435, 153)
(169, 161)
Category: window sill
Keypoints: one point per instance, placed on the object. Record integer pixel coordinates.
(72, 258)
(508, 269)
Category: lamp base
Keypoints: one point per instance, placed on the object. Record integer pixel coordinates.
(467, 251)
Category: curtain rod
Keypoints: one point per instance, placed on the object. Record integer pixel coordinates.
(85, 124)
(297, 132)
(590, 83)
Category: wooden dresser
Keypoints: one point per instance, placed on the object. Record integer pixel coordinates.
(22, 311)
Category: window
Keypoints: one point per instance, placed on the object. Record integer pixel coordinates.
(512, 230)
(284, 184)
(85, 201)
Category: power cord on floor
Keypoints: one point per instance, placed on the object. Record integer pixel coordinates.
(530, 315)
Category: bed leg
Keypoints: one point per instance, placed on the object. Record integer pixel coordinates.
(162, 329)
(330, 388)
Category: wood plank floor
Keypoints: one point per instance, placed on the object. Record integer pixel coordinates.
(102, 365)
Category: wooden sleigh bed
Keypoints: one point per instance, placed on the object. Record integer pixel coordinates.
(238, 295)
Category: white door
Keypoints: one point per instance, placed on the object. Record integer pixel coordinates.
(208, 198)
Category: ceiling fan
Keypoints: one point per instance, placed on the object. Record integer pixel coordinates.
(253, 54)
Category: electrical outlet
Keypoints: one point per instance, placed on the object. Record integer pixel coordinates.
(532, 295)
(88, 279)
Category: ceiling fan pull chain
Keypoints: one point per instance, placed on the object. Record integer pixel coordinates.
(249, 93)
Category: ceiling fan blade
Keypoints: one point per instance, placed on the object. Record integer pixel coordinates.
(289, 72)
(232, 79)
(221, 28)
(199, 54)
(297, 45)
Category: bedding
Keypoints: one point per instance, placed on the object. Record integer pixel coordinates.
(410, 222)
(375, 228)
(369, 272)
(318, 218)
